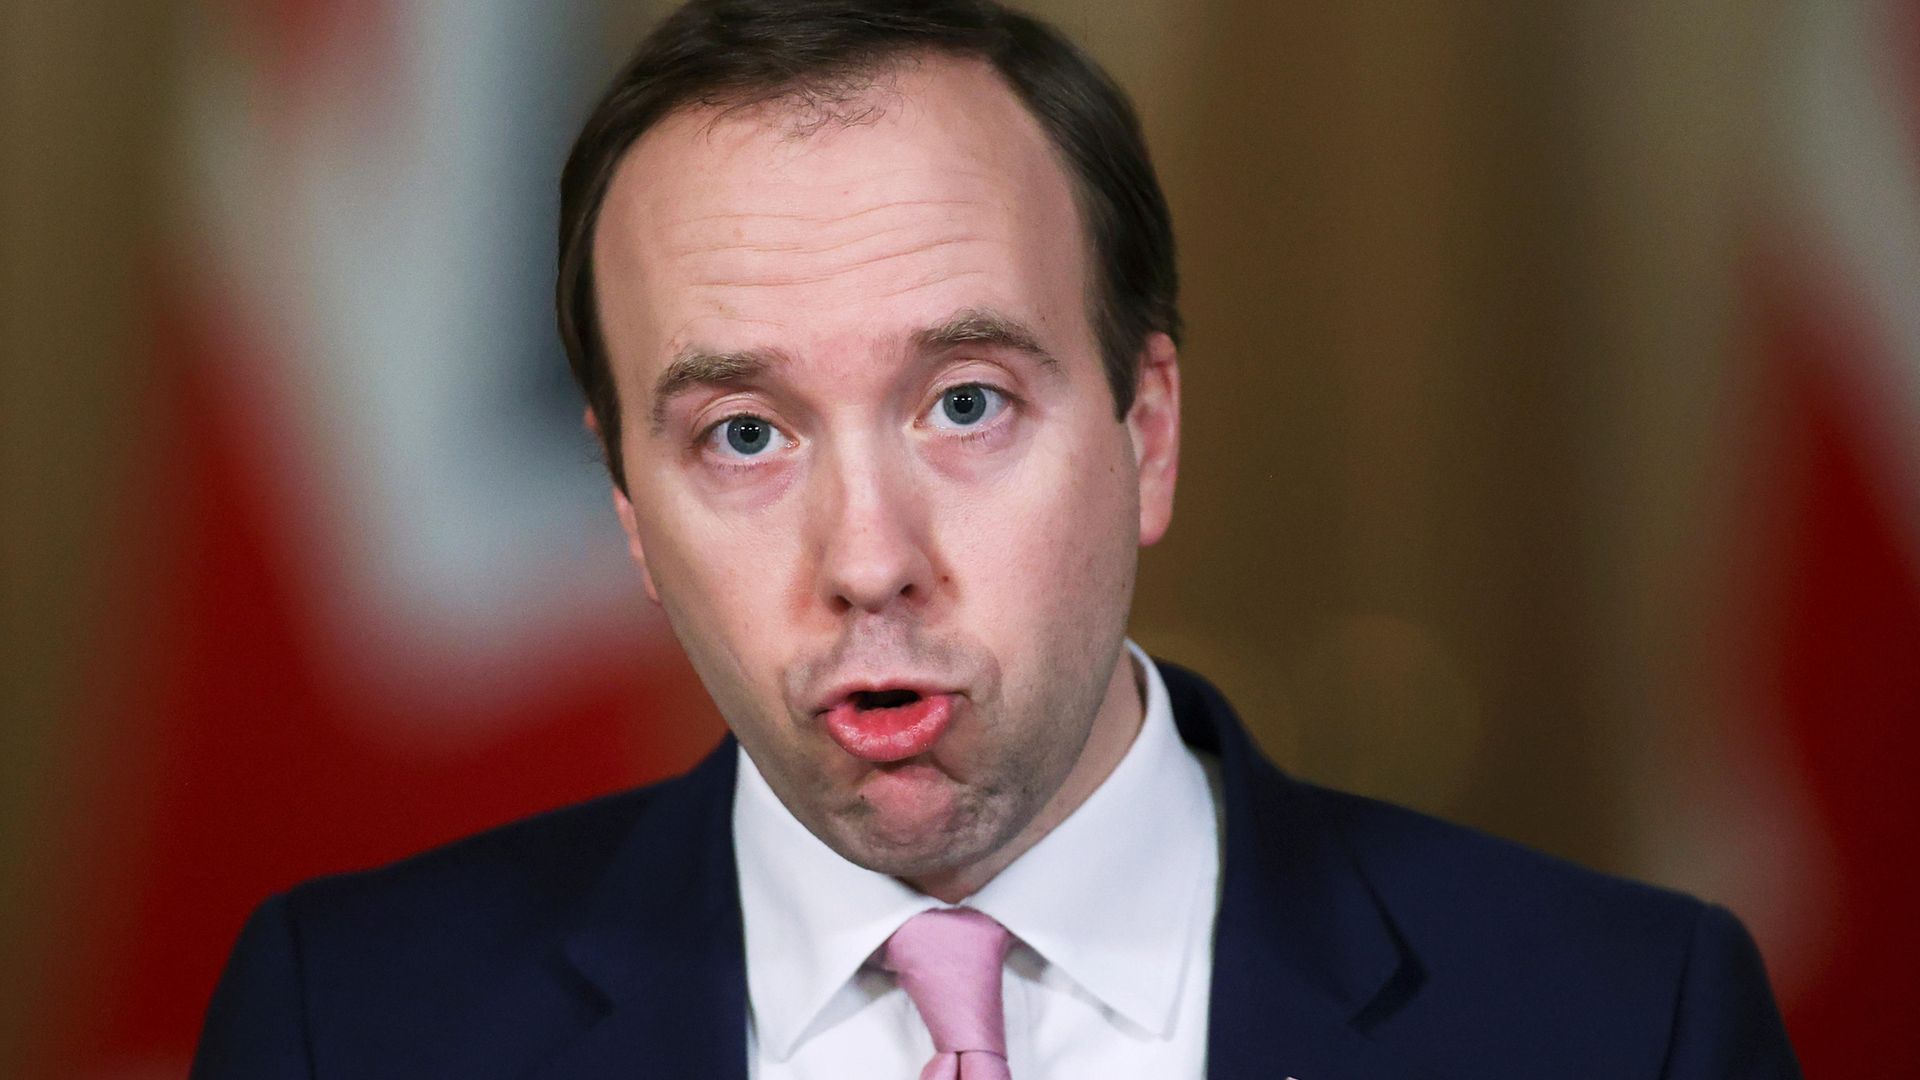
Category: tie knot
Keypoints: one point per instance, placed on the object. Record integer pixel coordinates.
(948, 961)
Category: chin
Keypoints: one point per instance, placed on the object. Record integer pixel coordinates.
(907, 865)
(919, 849)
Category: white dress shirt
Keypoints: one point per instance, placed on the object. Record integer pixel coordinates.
(1112, 913)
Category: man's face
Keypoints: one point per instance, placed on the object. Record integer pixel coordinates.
(875, 477)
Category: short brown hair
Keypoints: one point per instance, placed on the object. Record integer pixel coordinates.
(740, 52)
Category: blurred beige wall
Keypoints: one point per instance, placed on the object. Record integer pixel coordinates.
(1460, 373)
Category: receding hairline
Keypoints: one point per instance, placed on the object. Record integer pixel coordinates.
(694, 366)
(848, 95)
(858, 93)
(1088, 124)
(855, 92)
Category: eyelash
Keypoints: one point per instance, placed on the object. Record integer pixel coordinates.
(971, 434)
(706, 434)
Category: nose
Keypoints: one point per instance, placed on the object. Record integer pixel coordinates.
(874, 550)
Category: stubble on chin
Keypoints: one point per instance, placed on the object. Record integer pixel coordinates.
(988, 813)
(968, 834)
(993, 798)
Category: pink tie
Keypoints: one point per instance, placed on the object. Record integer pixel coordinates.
(949, 963)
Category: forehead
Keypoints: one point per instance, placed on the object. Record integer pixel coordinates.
(935, 191)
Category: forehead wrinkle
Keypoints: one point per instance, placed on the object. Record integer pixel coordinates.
(815, 219)
(942, 276)
(833, 272)
(688, 218)
(802, 233)
(762, 247)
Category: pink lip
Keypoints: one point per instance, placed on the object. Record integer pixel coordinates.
(881, 735)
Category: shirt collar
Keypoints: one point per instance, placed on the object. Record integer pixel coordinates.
(1110, 894)
(810, 917)
(1106, 897)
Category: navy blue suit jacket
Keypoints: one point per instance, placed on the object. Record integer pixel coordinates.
(1355, 941)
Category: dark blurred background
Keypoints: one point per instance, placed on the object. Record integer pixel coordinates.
(1552, 461)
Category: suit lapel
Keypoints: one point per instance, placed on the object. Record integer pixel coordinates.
(659, 941)
(1304, 958)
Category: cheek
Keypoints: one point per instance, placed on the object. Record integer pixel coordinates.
(1057, 542)
(721, 580)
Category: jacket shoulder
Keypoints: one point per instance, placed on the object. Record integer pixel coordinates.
(450, 962)
(1482, 889)
(490, 882)
(1648, 980)
(446, 963)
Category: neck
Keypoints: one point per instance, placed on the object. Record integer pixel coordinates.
(1115, 726)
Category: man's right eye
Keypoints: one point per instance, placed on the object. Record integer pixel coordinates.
(745, 437)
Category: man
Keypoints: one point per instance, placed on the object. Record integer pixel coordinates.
(874, 309)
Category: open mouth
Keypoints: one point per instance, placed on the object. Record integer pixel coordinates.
(889, 725)
(868, 700)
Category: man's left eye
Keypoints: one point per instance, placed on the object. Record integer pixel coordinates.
(967, 405)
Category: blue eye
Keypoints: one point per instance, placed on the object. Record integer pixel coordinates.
(746, 437)
(748, 434)
(967, 405)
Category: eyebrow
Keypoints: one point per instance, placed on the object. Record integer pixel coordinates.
(693, 367)
(980, 326)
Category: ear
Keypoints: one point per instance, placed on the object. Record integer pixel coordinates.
(623, 509)
(1153, 423)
